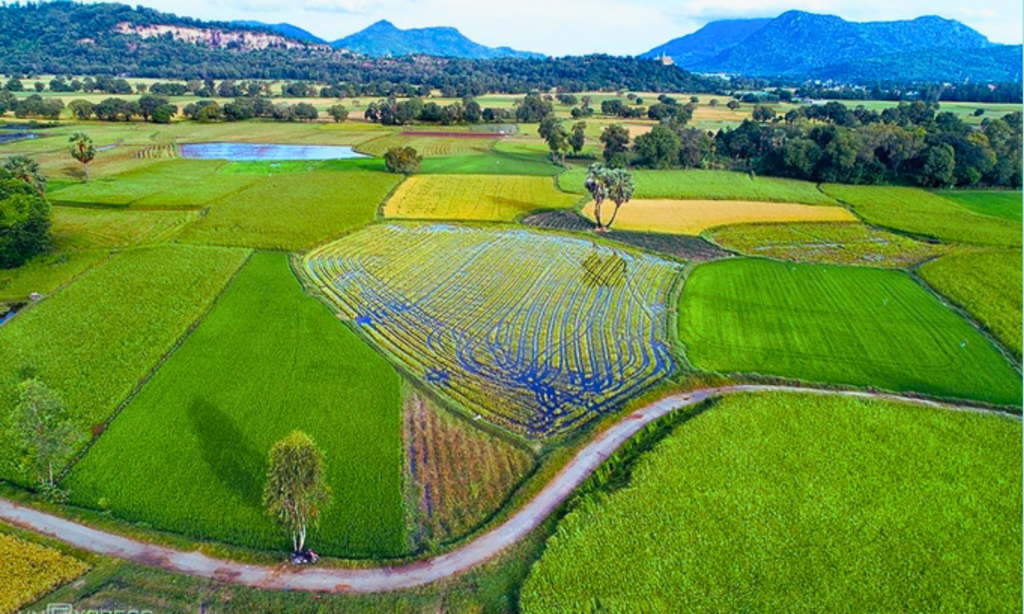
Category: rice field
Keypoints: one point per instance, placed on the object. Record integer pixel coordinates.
(1002, 204)
(692, 217)
(29, 571)
(538, 333)
(926, 214)
(95, 340)
(474, 197)
(826, 243)
(709, 185)
(800, 503)
(292, 211)
(457, 475)
(428, 146)
(987, 285)
(45, 274)
(188, 454)
(843, 325)
(492, 163)
(76, 228)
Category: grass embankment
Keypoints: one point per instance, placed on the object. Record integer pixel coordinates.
(801, 503)
(841, 325)
(93, 341)
(923, 213)
(189, 452)
(988, 285)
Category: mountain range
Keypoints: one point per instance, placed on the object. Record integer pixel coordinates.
(798, 44)
(383, 38)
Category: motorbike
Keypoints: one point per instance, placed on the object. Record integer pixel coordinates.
(303, 557)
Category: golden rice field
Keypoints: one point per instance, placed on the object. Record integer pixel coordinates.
(427, 146)
(691, 217)
(475, 197)
(28, 571)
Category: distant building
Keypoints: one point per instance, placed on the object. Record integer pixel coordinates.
(666, 60)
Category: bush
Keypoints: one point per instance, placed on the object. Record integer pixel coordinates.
(24, 223)
(402, 160)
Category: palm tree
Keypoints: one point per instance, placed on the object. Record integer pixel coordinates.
(26, 169)
(620, 189)
(82, 150)
(598, 189)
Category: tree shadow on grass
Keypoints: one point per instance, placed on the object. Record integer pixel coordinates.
(238, 465)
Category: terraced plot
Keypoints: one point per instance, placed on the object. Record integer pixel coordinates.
(845, 325)
(710, 185)
(429, 146)
(474, 197)
(188, 454)
(538, 332)
(800, 503)
(988, 285)
(826, 243)
(924, 213)
(691, 217)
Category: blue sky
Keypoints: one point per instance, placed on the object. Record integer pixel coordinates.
(561, 27)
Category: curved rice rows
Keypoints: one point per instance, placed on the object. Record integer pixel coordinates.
(536, 332)
(427, 146)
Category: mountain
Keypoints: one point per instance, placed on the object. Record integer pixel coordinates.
(383, 38)
(797, 42)
(704, 44)
(804, 45)
(999, 63)
(284, 29)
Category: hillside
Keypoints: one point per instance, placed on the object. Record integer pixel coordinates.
(802, 45)
(284, 29)
(383, 38)
(1000, 63)
(706, 43)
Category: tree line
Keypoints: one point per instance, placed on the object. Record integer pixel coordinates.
(911, 143)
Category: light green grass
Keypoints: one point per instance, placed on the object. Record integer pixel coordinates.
(44, 274)
(173, 183)
(1007, 205)
(797, 503)
(189, 453)
(923, 213)
(843, 325)
(82, 228)
(427, 146)
(709, 185)
(825, 243)
(495, 163)
(95, 340)
(988, 285)
(293, 211)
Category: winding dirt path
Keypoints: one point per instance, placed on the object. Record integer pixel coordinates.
(372, 580)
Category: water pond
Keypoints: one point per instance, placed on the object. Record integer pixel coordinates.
(250, 152)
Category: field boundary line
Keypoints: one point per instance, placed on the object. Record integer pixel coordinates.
(473, 553)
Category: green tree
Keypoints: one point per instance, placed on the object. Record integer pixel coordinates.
(14, 85)
(405, 160)
(81, 109)
(24, 168)
(733, 105)
(40, 422)
(616, 144)
(659, 148)
(164, 113)
(296, 493)
(338, 112)
(937, 167)
(762, 113)
(83, 150)
(597, 185)
(24, 222)
(532, 109)
(578, 138)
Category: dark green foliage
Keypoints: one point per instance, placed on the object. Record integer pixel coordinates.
(659, 148)
(24, 222)
(402, 160)
(616, 145)
(532, 109)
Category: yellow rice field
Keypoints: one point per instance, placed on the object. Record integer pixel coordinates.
(691, 217)
(475, 197)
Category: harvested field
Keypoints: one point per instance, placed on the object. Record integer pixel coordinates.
(692, 217)
(826, 243)
(457, 474)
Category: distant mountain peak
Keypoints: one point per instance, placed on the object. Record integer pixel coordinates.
(384, 38)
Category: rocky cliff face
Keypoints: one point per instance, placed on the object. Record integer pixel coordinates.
(215, 38)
